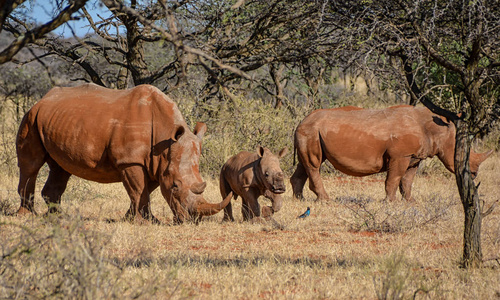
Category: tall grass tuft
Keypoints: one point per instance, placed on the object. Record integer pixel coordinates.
(61, 258)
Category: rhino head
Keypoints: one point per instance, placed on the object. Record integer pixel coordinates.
(476, 159)
(270, 175)
(180, 180)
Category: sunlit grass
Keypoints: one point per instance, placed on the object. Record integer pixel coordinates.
(342, 250)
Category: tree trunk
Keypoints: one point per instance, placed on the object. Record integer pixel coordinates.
(276, 75)
(122, 78)
(472, 253)
(135, 54)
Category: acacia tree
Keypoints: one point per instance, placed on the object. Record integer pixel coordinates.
(31, 33)
(445, 52)
(161, 42)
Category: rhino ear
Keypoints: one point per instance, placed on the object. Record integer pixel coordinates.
(179, 131)
(200, 129)
(283, 152)
(260, 151)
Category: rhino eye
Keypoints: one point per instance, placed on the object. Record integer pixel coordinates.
(267, 174)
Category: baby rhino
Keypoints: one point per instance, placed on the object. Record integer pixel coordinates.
(250, 175)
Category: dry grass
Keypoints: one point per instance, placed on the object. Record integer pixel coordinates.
(354, 246)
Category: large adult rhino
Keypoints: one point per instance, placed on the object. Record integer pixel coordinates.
(136, 136)
(362, 142)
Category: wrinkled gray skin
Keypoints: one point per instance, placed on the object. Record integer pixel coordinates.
(250, 175)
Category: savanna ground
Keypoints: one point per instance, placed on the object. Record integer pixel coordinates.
(354, 246)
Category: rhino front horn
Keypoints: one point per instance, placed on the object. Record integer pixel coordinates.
(208, 209)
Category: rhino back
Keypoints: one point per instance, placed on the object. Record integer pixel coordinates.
(360, 142)
(90, 130)
(239, 170)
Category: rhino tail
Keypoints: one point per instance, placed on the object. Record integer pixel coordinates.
(294, 148)
(294, 155)
(321, 148)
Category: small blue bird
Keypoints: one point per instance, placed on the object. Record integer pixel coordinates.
(308, 211)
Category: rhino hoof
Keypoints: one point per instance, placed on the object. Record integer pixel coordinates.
(267, 211)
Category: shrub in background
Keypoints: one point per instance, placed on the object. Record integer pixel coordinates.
(242, 125)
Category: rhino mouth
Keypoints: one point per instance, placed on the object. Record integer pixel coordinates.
(278, 190)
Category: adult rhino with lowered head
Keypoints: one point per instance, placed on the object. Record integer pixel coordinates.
(362, 142)
(251, 175)
(135, 136)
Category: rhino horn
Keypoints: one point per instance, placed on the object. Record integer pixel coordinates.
(208, 209)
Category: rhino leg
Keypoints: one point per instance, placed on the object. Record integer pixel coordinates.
(26, 190)
(31, 157)
(406, 183)
(55, 186)
(134, 181)
(316, 184)
(146, 210)
(298, 180)
(225, 189)
(395, 172)
(228, 213)
(250, 207)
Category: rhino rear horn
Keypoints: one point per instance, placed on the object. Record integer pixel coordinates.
(208, 209)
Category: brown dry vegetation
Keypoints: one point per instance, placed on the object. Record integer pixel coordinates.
(354, 246)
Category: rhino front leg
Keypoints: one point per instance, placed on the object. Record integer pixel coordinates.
(316, 184)
(228, 213)
(277, 203)
(395, 172)
(406, 183)
(134, 181)
(250, 207)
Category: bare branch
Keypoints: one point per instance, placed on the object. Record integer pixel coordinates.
(39, 32)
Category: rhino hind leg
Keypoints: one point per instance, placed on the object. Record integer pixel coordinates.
(250, 207)
(298, 180)
(55, 186)
(31, 157)
(26, 190)
(225, 189)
